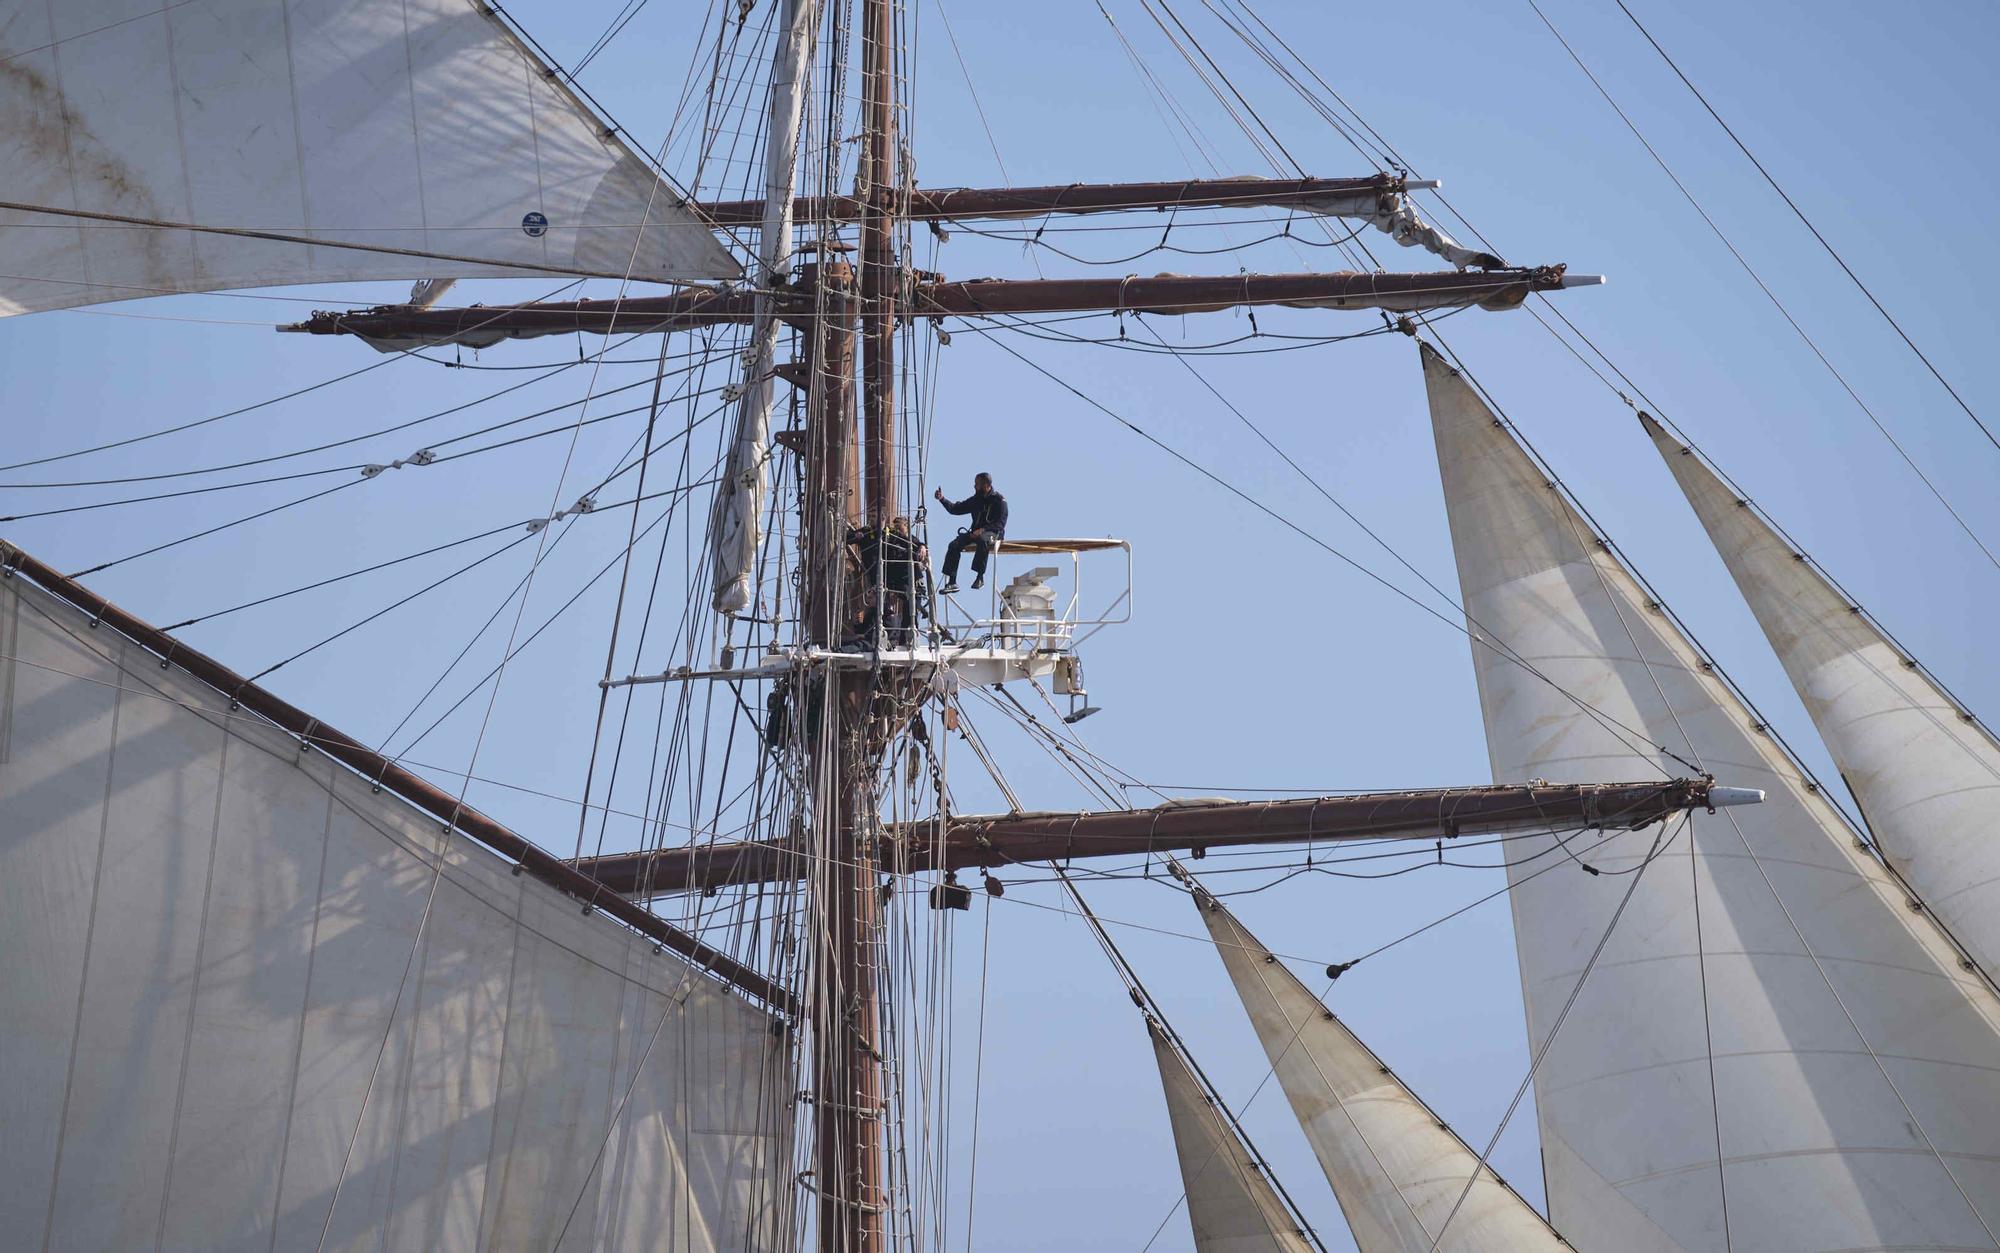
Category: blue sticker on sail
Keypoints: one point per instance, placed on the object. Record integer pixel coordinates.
(536, 225)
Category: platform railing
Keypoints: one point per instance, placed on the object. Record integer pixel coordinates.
(1000, 629)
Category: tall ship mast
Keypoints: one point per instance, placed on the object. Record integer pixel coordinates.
(267, 983)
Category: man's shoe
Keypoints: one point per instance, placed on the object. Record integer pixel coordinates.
(949, 588)
(978, 582)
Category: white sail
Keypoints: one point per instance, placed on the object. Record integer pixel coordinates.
(1926, 776)
(390, 124)
(739, 500)
(205, 932)
(1398, 1171)
(1231, 1205)
(1772, 1051)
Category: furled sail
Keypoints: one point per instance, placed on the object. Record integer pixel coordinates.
(1926, 775)
(1398, 1171)
(420, 125)
(211, 937)
(1231, 1205)
(739, 499)
(1771, 1050)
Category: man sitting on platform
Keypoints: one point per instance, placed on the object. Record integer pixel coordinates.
(989, 526)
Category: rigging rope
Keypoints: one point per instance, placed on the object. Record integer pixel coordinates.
(1150, 1007)
(618, 610)
(1991, 557)
(1797, 761)
(548, 371)
(1470, 629)
(498, 676)
(1807, 223)
(1535, 1065)
(286, 237)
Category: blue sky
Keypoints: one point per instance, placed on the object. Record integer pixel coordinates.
(1254, 660)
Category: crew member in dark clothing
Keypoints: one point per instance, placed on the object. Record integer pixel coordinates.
(895, 557)
(989, 526)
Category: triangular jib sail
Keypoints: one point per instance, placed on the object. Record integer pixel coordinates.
(1769, 1048)
(240, 1009)
(1231, 1205)
(1926, 775)
(381, 124)
(1406, 1183)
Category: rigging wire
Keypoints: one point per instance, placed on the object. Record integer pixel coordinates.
(619, 22)
(1807, 223)
(1163, 246)
(526, 268)
(437, 876)
(1992, 558)
(629, 561)
(1535, 1064)
(1262, 137)
(219, 527)
(1035, 329)
(1806, 774)
(1623, 377)
(284, 505)
(549, 370)
(1468, 628)
(400, 354)
(358, 623)
(1154, 1013)
(533, 635)
(978, 1068)
(175, 495)
(1335, 970)
(498, 677)
(618, 610)
(1812, 781)
(1871, 854)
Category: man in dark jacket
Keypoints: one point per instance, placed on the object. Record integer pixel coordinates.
(989, 526)
(891, 562)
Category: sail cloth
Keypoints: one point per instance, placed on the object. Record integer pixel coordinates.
(1801, 1064)
(413, 124)
(739, 500)
(1231, 1205)
(1395, 217)
(204, 933)
(1396, 1169)
(1926, 776)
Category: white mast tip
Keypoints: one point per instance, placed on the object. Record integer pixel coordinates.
(1722, 797)
(1583, 280)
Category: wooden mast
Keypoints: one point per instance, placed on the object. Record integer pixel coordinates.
(850, 1109)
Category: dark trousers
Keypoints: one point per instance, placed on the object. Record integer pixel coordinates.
(892, 613)
(980, 546)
